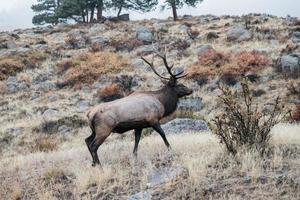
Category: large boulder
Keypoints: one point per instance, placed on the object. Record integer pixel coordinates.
(13, 85)
(238, 34)
(99, 40)
(192, 103)
(7, 42)
(181, 125)
(145, 35)
(289, 64)
(159, 176)
(45, 86)
(296, 37)
(204, 49)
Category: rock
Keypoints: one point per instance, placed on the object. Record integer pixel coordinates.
(39, 47)
(140, 196)
(50, 115)
(76, 39)
(203, 49)
(147, 49)
(13, 85)
(99, 40)
(192, 103)
(180, 125)
(161, 176)
(289, 63)
(145, 35)
(83, 105)
(184, 28)
(53, 122)
(296, 37)
(53, 98)
(124, 17)
(7, 43)
(212, 36)
(238, 34)
(45, 86)
(64, 129)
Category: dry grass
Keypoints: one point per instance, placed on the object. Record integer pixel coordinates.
(208, 173)
(87, 68)
(11, 65)
(3, 88)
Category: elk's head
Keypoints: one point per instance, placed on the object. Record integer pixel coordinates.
(172, 81)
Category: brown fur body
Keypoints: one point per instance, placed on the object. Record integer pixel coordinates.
(135, 112)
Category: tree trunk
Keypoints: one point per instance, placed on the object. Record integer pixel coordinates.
(99, 10)
(92, 14)
(83, 16)
(173, 5)
(58, 3)
(119, 12)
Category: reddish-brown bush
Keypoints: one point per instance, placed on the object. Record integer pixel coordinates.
(228, 66)
(296, 113)
(251, 58)
(110, 92)
(95, 47)
(126, 45)
(9, 67)
(87, 68)
(212, 58)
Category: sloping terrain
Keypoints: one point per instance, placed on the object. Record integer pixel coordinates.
(50, 76)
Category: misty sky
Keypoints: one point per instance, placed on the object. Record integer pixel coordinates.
(17, 13)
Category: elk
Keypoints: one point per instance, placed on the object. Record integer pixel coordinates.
(137, 111)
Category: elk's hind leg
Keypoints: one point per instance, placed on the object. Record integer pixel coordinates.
(101, 135)
(89, 140)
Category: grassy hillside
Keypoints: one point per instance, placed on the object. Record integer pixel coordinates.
(50, 76)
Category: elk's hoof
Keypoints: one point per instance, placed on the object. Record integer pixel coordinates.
(93, 164)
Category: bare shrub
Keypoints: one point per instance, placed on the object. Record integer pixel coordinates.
(252, 58)
(126, 45)
(9, 67)
(110, 93)
(242, 124)
(296, 112)
(3, 88)
(229, 66)
(95, 47)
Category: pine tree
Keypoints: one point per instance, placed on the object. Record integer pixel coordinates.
(137, 5)
(45, 12)
(177, 4)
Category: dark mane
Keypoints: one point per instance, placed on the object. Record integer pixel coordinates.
(168, 97)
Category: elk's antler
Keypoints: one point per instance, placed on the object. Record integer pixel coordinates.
(169, 68)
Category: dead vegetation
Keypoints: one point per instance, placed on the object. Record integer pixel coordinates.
(213, 63)
(11, 65)
(87, 68)
(110, 93)
(242, 124)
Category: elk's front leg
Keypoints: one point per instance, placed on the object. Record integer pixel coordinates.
(161, 132)
(137, 136)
